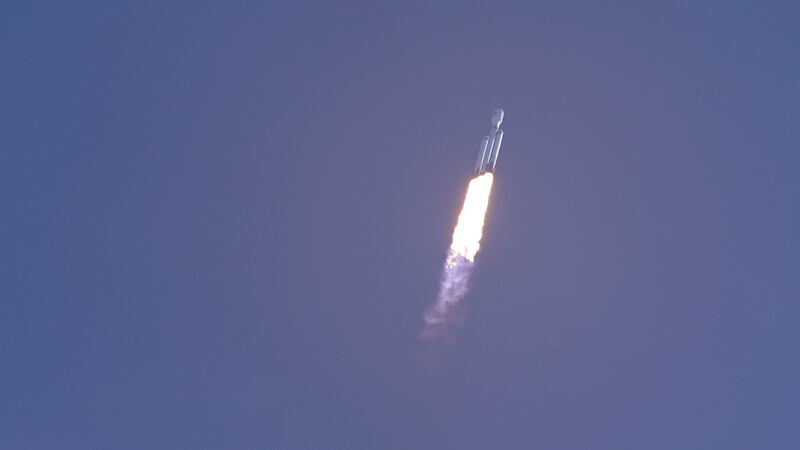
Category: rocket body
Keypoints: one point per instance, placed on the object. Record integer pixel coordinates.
(490, 146)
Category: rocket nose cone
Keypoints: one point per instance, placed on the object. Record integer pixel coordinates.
(497, 117)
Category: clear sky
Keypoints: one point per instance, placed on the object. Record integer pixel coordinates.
(221, 224)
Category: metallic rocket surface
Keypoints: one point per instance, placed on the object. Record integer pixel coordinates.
(490, 145)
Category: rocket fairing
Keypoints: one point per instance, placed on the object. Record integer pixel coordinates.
(490, 146)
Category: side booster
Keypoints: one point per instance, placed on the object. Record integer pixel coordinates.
(490, 146)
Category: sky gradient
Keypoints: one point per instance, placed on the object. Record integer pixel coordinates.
(221, 224)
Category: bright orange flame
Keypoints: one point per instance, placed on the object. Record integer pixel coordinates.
(468, 232)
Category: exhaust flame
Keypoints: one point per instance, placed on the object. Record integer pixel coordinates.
(469, 229)
(460, 258)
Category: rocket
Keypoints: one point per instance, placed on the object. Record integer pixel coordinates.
(490, 146)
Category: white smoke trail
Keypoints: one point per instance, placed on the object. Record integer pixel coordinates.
(460, 259)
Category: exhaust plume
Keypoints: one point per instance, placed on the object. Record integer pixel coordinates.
(460, 260)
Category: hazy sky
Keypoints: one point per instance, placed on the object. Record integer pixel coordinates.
(221, 224)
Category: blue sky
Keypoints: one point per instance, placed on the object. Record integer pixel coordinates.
(222, 223)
